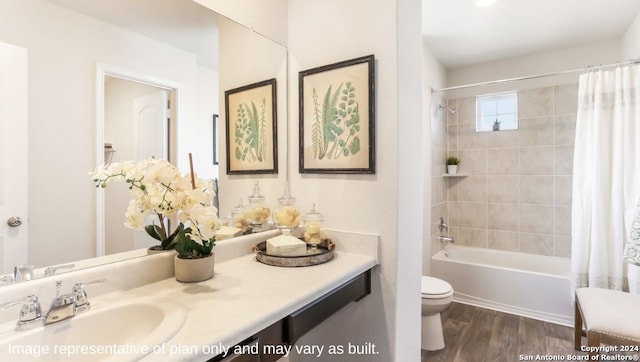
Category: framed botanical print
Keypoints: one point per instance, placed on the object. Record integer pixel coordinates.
(337, 117)
(251, 135)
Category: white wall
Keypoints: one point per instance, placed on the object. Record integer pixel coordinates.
(208, 105)
(541, 63)
(246, 58)
(434, 77)
(64, 48)
(321, 35)
(390, 30)
(414, 182)
(631, 41)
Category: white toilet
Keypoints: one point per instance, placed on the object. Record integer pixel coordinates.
(436, 297)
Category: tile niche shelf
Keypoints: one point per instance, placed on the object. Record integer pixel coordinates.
(453, 175)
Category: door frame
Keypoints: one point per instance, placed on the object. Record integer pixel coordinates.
(102, 72)
(14, 113)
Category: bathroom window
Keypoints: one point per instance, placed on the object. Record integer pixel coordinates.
(497, 112)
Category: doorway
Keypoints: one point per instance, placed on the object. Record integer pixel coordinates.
(138, 121)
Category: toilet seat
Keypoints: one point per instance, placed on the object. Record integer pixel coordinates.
(433, 288)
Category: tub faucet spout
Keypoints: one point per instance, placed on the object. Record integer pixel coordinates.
(446, 239)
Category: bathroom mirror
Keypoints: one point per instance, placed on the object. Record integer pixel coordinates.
(66, 42)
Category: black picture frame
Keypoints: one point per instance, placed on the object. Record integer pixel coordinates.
(337, 117)
(251, 129)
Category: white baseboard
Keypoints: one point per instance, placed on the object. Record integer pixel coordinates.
(539, 315)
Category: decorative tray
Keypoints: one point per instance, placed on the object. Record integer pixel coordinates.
(323, 254)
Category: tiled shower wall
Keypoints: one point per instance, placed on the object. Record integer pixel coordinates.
(517, 192)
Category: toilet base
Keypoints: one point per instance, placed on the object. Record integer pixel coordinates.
(432, 335)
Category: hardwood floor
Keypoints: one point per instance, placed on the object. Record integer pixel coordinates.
(478, 334)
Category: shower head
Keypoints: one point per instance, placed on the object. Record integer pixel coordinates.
(449, 109)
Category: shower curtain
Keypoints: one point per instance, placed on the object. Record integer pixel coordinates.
(606, 177)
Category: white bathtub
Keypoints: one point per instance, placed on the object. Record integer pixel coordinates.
(524, 284)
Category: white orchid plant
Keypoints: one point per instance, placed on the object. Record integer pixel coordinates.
(160, 191)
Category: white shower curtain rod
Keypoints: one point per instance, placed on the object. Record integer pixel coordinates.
(527, 77)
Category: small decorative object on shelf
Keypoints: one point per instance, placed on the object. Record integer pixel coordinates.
(496, 125)
(313, 227)
(452, 164)
(237, 217)
(286, 216)
(256, 213)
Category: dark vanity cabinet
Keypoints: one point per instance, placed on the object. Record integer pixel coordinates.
(288, 330)
(305, 319)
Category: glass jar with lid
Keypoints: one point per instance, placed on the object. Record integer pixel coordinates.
(286, 216)
(313, 227)
(237, 217)
(256, 213)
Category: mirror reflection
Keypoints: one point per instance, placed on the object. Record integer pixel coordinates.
(80, 54)
(138, 122)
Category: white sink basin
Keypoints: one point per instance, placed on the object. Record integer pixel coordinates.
(125, 331)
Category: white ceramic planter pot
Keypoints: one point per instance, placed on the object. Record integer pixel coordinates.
(156, 249)
(452, 169)
(194, 270)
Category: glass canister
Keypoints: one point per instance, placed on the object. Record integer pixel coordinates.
(237, 217)
(313, 227)
(286, 216)
(256, 213)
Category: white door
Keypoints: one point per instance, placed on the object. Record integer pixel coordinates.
(151, 123)
(13, 157)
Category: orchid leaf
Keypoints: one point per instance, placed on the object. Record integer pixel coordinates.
(154, 231)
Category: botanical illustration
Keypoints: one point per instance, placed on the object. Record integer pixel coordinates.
(251, 140)
(337, 117)
(251, 136)
(336, 123)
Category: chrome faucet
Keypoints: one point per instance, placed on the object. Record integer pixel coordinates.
(51, 270)
(68, 305)
(30, 313)
(444, 228)
(447, 239)
(62, 306)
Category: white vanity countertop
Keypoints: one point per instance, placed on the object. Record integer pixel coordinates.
(244, 297)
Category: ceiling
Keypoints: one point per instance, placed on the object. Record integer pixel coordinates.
(457, 32)
(461, 34)
(183, 24)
